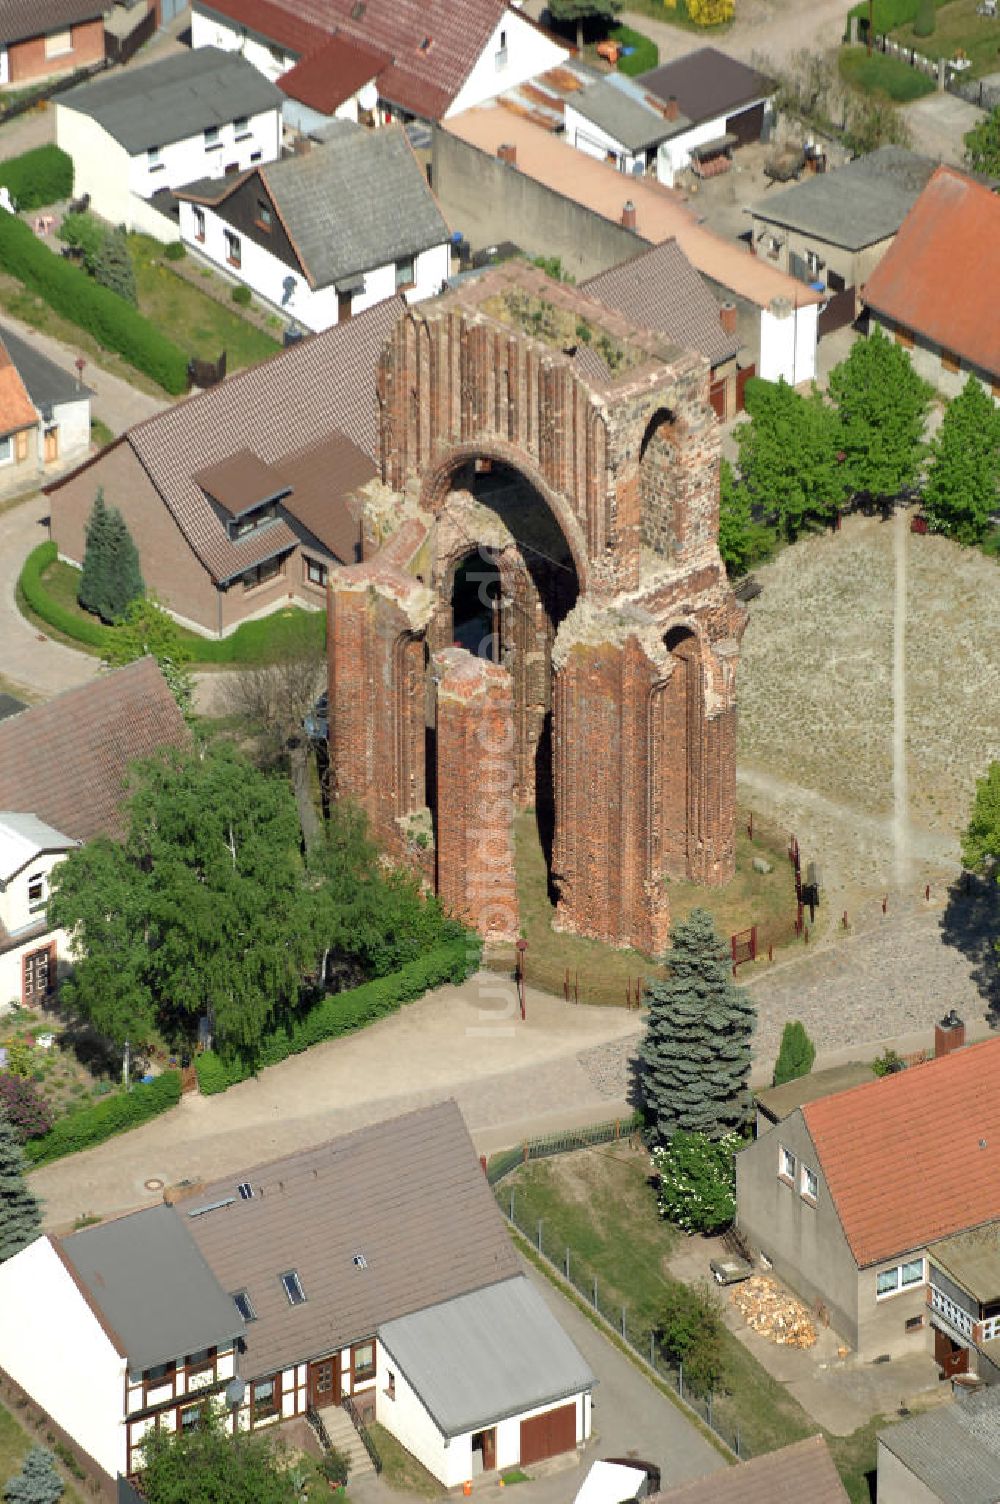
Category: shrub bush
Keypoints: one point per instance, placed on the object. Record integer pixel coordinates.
(51, 611)
(175, 251)
(86, 232)
(92, 1125)
(691, 1332)
(38, 177)
(70, 292)
(343, 1012)
(241, 294)
(796, 1054)
(24, 1106)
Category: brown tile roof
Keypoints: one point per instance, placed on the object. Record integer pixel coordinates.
(67, 760)
(938, 278)
(914, 1156)
(324, 384)
(407, 1195)
(21, 19)
(423, 79)
(17, 410)
(241, 482)
(661, 213)
(706, 83)
(333, 73)
(322, 476)
(273, 21)
(661, 289)
(800, 1474)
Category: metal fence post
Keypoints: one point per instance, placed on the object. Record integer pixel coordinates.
(652, 1349)
(709, 1405)
(595, 1292)
(623, 1324)
(539, 1235)
(680, 1379)
(737, 1441)
(512, 1205)
(567, 1262)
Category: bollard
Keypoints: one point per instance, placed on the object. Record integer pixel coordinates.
(844, 920)
(750, 826)
(770, 952)
(885, 903)
(927, 892)
(805, 934)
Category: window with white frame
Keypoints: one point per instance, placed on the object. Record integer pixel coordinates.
(786, 1164)
(199, 224)
(153, 159)
(6, 450)
(900, 1277)
(36, 891)
(212, 137)
(58, 43)
(241, 128)
(404, 273)
(809, 1183)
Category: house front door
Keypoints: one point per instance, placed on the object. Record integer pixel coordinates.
(949, 1355)
(324, 1383)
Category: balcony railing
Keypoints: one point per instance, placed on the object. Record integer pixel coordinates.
(960, 1321)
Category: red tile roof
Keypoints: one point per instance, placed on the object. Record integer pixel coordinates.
(275, 22)
(336, 71)
(800, 1474)
(16, 408)
(66, 761)
(914, 1156)
(938, 278)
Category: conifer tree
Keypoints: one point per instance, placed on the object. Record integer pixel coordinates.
(695, 1057)
(113, 266)
(93, 588)
(795, 1055)
(38, 1482)
(124, 576)
(20, 1217)
(963, 482)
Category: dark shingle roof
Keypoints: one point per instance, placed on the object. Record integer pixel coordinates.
(661, 290)
(954, 1451)
(706, 83)
(322, 385)
(46, 382)
(355, 203)
(152, 1286)
(408, 1195)
(21, 19)
(627, 113)
(175, 98)
(67, 760)
(858, 205)
(800, 1474)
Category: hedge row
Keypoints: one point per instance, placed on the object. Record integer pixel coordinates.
(51, 611)
(115, 324)
(343, 1012)
(92, 1125)
(38, 177)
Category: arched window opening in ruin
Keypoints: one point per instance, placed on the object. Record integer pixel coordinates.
(658, 490)
(475, 605)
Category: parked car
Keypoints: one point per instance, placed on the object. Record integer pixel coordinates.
(730, 1270)
(615, 1481)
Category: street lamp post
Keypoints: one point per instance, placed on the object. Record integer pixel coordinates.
(522, 946)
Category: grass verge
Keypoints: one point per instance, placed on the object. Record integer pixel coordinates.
(885, 76)
(959, 28)
(21, 303)
(15, 1443)
(400, 1469)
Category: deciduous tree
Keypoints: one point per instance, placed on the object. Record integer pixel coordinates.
(20, 1216)
(881, 411)
(742, 541)
(982, 145)
(963, 482)
(795, 1054)
(981, 837)
(695, 1057)
(205, 1465)
(145, 629)
(690, 1330)
(579, 11)
(789, 456)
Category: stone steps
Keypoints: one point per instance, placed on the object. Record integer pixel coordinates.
(343, 1436)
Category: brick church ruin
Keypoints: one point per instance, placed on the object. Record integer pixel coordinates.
(540, 619)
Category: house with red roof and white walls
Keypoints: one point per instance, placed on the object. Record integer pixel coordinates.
(379, 60)
(880, 1206)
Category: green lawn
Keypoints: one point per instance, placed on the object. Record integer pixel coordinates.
(886, 76)
(767, 900)
(959, 27)
(599, 1203)
(15, 1442)
(195, 321)
(400, 1469)
(644, 55)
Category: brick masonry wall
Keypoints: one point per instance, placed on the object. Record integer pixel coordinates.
(28, 60)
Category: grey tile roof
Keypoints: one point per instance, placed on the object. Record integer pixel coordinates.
(628, 114)
(860, 204)
(954, 1451)
(357, 202)
(67, 760)
(21, 19)
(154, 1289)
(175, 98)
(706, 83)
(408, 1194)
(46, 382)
(321, 385)
(477, 1359)
(661, 290)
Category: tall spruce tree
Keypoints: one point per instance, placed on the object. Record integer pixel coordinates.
(38, 1482)
(93, 587)
(963, 482)
(695, 1057)
(124, 576)
(20, 1216)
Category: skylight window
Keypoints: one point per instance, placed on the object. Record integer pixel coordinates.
(292, 1286)
(244, 1305)
(246, 1190)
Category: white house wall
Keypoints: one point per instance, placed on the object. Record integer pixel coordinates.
(100, 165)
(594, 142)
(53, 1346)
(674, 156)
(528, 53)
(189, 159)
(72, 418)
(207, 31)
(12, 966)
(788, 345)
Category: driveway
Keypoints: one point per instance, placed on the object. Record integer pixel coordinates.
(512, 1080)
(938, 125)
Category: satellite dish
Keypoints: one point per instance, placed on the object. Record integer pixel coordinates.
(235, 1390)
(288, 287)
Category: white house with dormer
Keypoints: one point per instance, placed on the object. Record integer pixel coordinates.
(29, 950)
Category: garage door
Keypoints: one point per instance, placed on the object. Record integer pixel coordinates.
(747, 125)
(549, 1434)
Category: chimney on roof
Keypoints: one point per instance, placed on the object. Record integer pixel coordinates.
(670, 108)
(628, 215)
(507, 152)
(727, 317)
(949, 1035)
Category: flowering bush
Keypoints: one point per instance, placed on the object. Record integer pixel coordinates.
(697, 1175)
(19, 1056)
(24, 1107)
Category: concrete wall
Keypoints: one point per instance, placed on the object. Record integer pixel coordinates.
(882, 1319)
(855, 267)
(53, 1346)
(804, 1241)
(33, 59)
(897, 1485)
(927, 362)
(526, 53)
(490, 202)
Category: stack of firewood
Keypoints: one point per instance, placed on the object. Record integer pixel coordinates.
(776, 1315)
